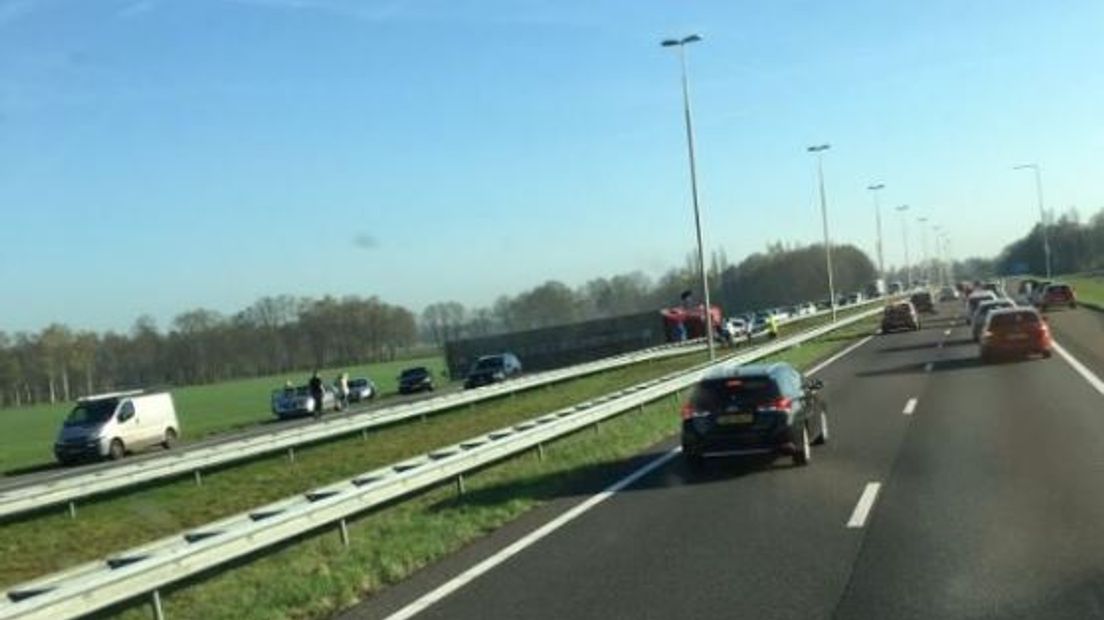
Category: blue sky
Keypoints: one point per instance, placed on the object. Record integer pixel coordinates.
(160, 155)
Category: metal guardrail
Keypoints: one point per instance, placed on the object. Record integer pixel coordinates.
(193, 461)
(147, 569)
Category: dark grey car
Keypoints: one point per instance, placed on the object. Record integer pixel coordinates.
(757, 409)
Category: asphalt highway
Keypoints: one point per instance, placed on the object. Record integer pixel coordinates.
(949, 489)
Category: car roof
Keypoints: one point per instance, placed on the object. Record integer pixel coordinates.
(982, 293)
(1014, 310)
(734, 369)
(993, 302)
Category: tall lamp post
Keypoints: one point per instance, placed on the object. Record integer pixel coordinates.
(903, 210)
(874, 189)
(680, 46)
(818, 150)
(926, 261)
(1042, 213)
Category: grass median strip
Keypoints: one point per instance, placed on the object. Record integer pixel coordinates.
(51, 542)
(315, 577)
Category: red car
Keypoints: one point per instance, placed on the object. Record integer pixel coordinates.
(1057, 294)
(1014, 332)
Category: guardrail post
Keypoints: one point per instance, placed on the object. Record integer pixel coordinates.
(198, 475)
(155, 602)
(640, 408)
(460, 488)
(344, 528)
(364, 434)
(291, 454)
(597, 428)
(72, 510)
(540, 451)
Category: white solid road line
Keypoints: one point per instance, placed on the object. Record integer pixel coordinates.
(519, 545)
(946, 332)
(433, 596)
(910, 406)
(866, 502)
(821, 366)
(1081, 369)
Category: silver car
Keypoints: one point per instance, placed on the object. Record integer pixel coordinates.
(294, 402)
(361, 389)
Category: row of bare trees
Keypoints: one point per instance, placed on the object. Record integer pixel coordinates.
(274, 335)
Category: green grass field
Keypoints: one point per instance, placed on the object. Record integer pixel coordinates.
(316, 577)
(1088, 288)
(27, 434)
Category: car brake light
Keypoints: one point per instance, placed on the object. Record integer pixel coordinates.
(689, 411)
(778, 404)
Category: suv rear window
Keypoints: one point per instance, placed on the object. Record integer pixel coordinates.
(1011, 319)
(718, 395)
(1058, 288)
(413, 373)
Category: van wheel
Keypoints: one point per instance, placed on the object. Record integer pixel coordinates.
(170, 439)
(804, 452)
(116, 450)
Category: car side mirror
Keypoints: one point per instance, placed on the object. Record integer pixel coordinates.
(814, 385)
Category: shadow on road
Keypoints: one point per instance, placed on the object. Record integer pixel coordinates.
(908, 347)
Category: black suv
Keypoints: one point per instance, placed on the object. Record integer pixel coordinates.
(492, 369)
(757, 409)
(416, 379)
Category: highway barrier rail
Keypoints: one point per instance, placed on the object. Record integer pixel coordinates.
(68, 489)
(146, 570)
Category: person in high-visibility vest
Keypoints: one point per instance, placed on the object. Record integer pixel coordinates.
(772, 326)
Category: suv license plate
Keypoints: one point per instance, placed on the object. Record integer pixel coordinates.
(736, 418)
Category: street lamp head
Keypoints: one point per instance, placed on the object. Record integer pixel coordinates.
(819, 148)
(921, 219)
(1025, 167)
(903, 208)
(876, 187)
(680, 42)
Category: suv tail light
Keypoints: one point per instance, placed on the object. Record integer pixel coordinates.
(689, 411)
(778, 404)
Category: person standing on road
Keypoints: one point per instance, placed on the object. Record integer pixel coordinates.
(342, 385)
(772, 326)
(316, 392)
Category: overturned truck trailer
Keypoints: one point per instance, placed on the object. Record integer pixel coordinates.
(562, 345)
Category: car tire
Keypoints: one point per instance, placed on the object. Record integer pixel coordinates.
(694, 462)
(986, 358)
(823, 437)
(170, 439)
(1046, 354)
(1073, 304)
(116, 450)
(804, 451)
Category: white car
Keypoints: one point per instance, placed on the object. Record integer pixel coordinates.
(735, 327)
(362, 389)
(111, 425)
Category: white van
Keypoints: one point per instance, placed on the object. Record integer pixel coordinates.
(111, 425)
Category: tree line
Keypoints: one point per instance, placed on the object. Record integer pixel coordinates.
(1076, 246)
(274, 335)
(779, 276)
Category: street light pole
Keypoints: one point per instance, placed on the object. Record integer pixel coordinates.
(925, 261)
(878, 224)
(680, 44)
(819, 150)
(1042, 213)
(903, 209)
